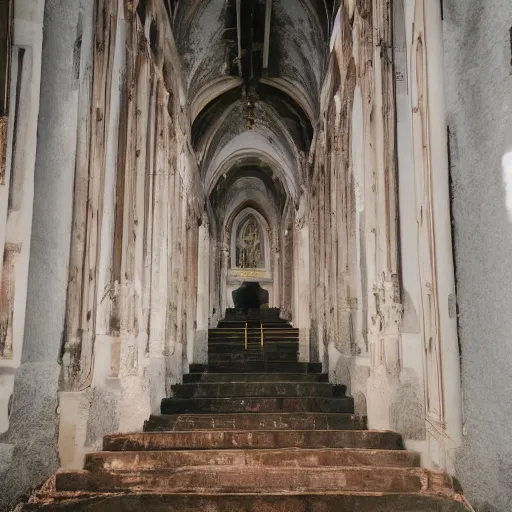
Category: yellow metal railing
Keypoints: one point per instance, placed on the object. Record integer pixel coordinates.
(262, 337)
(246, 337)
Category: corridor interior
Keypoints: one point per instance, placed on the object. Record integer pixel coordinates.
(228, 279)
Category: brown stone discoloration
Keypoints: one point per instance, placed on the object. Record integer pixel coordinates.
(255, 421)
(221, 479)
(7, 290)
(367, 502)
(286, 457)
(254, 440)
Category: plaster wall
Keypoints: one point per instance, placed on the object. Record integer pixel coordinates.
(479, 105)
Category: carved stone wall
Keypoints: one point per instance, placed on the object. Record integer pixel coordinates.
(134, 252)
(377, 318)
(117, 186)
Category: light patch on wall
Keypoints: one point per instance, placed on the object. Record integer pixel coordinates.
(507, 179)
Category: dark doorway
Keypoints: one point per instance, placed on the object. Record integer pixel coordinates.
(250, 296)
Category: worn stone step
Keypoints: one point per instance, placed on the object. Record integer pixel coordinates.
(252, 358)
(291, 349)
(252, 326)
(258, 367)
(271, 334)
(286, 458)
(244, 358)
(271, 353)
(253, 439)
(255, 421)
(239, 343)
(252, 323)
(190, 378)
(256, 404)
(236, 479)
(260, 502)
(258, 389)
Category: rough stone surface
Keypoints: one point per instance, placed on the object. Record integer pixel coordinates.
(255, 421)
(256, 503)
(99, 423)
(248, 439)
(287, 457)
(34, 408)
(479, 100)
(32, 431)
(408, 408)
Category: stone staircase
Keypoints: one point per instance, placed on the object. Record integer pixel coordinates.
(262, 433)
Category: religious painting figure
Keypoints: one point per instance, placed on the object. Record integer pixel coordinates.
(249, 250)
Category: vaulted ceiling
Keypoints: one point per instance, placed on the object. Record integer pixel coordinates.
(253, 71)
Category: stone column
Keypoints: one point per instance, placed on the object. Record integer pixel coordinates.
(301, 316)
(30, 442)
(203, 293)
(381, 219)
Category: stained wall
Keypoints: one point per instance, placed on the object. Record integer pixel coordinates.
(478, 78)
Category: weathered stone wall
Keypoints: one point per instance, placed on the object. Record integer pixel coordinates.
(356, 311)
(33, 422)
(115, 237)
(479, 104)
(383, 290)
(17, 154)
(132, 294)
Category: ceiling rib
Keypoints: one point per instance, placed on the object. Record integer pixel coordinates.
(266, 43)
(239, 35)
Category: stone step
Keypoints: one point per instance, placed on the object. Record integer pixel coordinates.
(277, 349)
(190, 378)
(244, 358)
(286, 458)
(254, 421)
(239, 341)
(296, 502)
(258, 389)
(256, 404)
(252, 326)
(253, 333)
(253, 322)
(252, 357)
(236, 479)
(258, 367)
(261, 502)
(253, 439)
(240, 346)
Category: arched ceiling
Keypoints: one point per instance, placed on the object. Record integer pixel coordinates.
(253, 72)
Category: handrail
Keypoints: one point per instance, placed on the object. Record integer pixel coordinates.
(246, 342)
(262, 337)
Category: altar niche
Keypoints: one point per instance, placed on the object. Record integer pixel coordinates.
(249, 244)
(250, 260)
